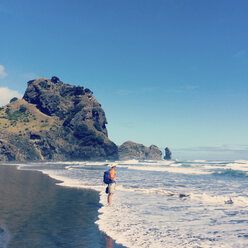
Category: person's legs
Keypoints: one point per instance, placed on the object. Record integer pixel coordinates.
(110, 198)
(111, 192)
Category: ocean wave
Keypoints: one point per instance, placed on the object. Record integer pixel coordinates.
(137, 223)
(231, 173)
(204, 197)
(133, 224)
(172, 169)
(238, 166)
(241, 161)
(241, 201)
(145, 162)
(155, 191)
(200, 161)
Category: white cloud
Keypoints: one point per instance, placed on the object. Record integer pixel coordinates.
(7, 94)
(3, 74)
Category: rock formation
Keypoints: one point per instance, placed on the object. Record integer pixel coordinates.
(131, 150)
(54, 121)
(168, 154)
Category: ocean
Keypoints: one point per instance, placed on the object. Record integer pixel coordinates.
(196, 203)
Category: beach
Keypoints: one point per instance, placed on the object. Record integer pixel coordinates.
(159, 204)
(36, 213)
(156, 204)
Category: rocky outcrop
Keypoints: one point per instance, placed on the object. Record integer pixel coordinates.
(54, 121)
(168, 154)
(131, 150)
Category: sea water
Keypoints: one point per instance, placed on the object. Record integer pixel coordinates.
(166, 203)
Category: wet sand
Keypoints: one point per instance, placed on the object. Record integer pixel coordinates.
(37, 213)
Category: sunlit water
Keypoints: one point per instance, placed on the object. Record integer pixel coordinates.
(166, 203)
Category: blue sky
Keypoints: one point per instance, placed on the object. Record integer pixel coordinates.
(167, 72)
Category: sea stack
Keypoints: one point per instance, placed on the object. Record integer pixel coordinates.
(168, 154)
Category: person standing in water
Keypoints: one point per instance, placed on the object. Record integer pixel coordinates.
(111, 185)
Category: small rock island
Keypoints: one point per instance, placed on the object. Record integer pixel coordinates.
(168, 154)
(132, 150)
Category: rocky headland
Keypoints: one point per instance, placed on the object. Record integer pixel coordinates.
(132, 150)
(54, 121)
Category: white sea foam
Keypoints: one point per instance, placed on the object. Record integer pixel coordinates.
(205, 198)
(238, 166)
(156, 191)
(132, 161)
(241, 161)
(172, 169)
(135, 222)
(61, 162)
(145, 162)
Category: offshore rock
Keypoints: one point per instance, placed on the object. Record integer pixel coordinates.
(132, 150)
(54, 121)
(168, 154)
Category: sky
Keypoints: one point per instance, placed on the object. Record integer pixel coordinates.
(173, 73)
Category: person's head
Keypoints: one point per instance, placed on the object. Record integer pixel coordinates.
(113, 165)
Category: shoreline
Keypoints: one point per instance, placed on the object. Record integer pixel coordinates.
(29, 200)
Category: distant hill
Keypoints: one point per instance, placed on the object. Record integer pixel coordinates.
(54, 121)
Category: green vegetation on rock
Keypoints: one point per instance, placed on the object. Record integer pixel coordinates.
(54, 121)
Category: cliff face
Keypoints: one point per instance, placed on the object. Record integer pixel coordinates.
(131, 150)
(54, 121)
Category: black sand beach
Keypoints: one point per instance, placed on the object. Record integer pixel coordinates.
(36, 213)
